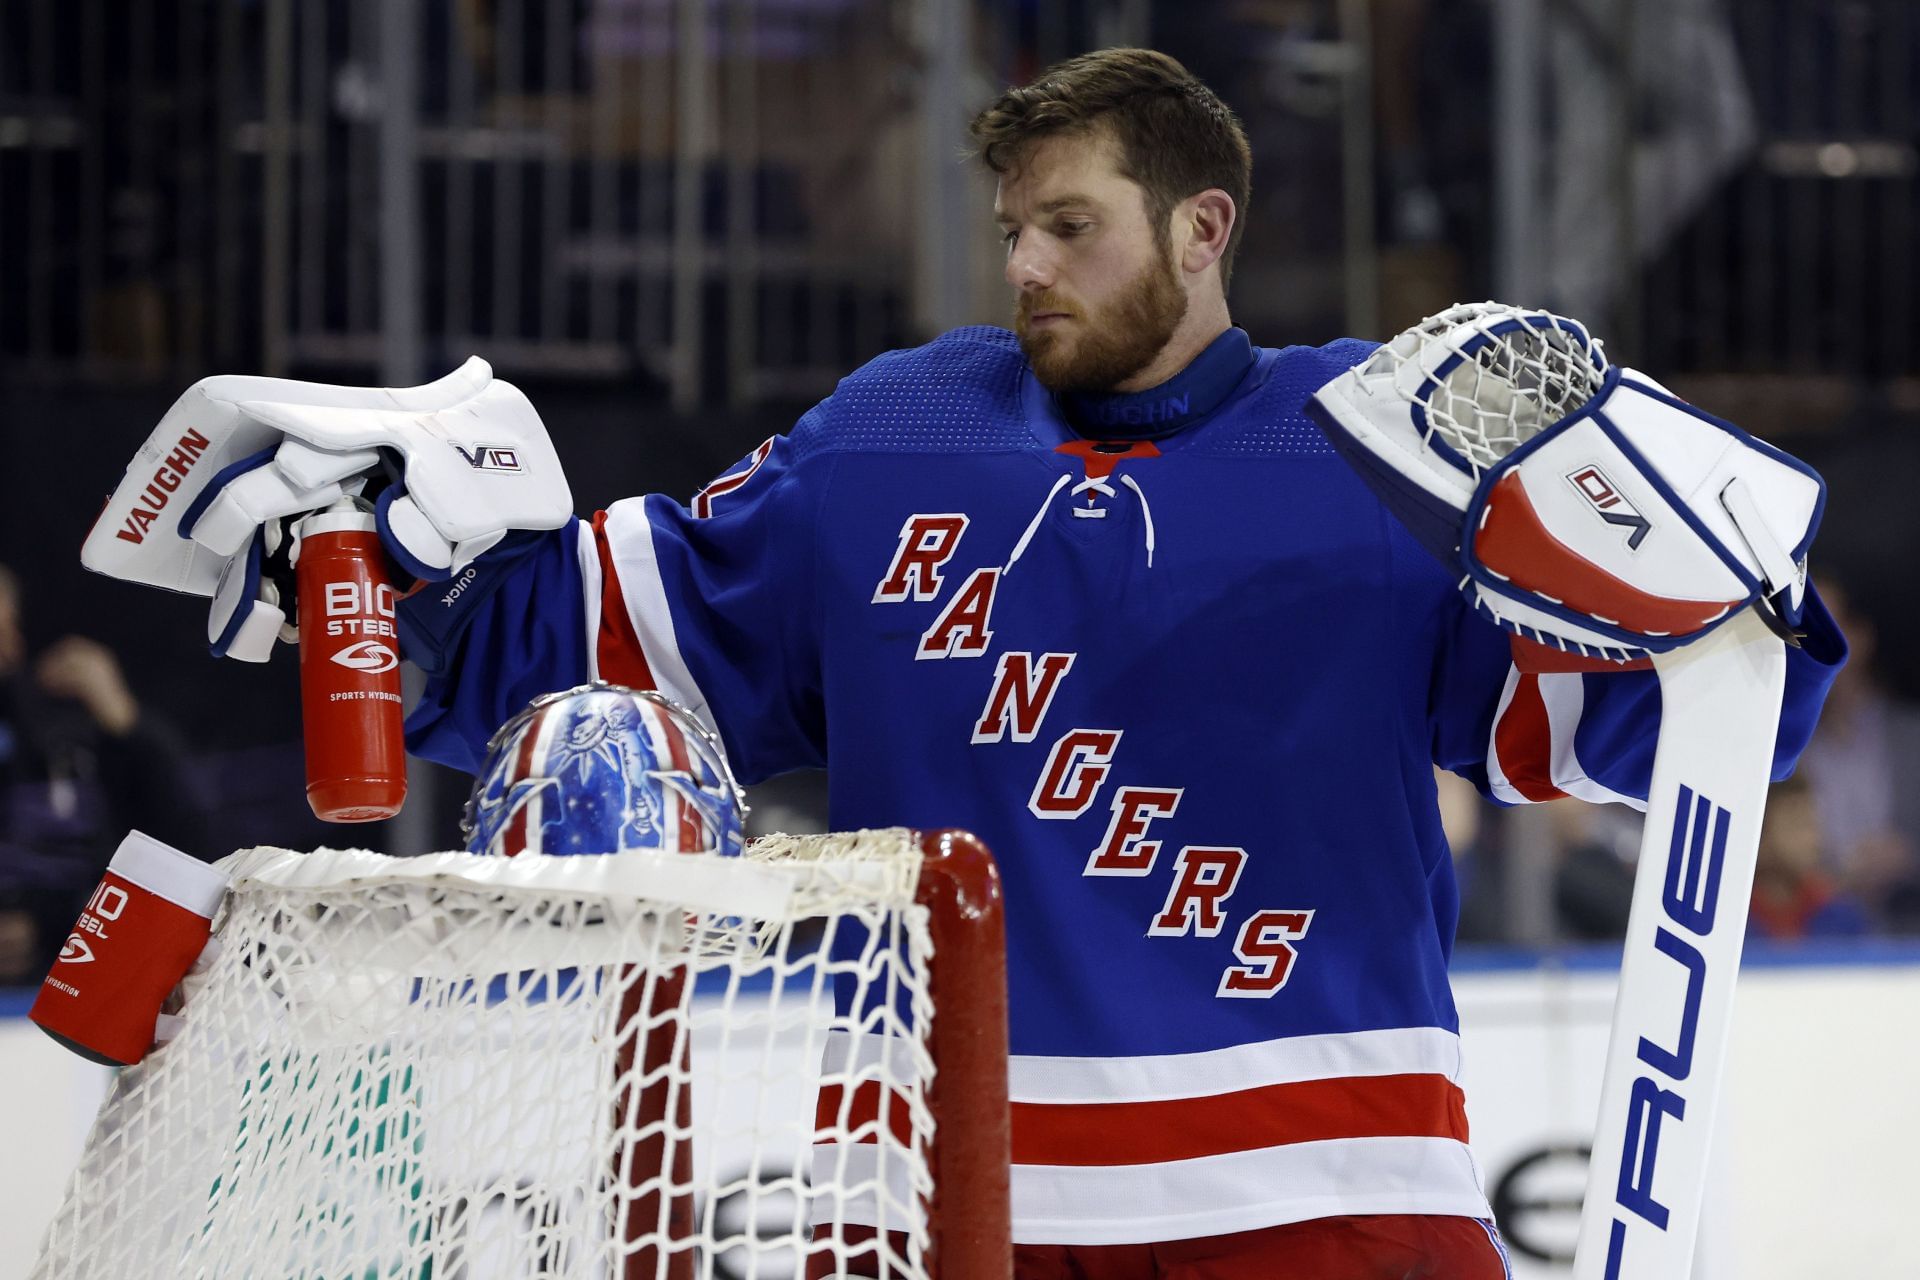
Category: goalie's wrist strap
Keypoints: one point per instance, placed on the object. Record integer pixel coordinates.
(434, 616)
(1777, 566)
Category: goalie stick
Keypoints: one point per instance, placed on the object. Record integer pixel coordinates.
(1720, 707)
(1494, 433)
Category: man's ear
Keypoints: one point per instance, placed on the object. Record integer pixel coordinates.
(1207, 219)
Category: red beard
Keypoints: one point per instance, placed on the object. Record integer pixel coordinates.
(1110, 345)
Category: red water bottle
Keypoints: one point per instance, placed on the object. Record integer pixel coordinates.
(349, 668)
(140, 932)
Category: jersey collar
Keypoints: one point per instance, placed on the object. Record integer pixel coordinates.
(1179, 402)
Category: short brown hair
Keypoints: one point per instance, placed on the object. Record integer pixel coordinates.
(1176, 137)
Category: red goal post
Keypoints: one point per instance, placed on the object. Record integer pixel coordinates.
(641, 1065)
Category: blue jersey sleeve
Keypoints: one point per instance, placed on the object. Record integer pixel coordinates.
(711, 603)
(716, 604)
(508, 628)
(1523, 736)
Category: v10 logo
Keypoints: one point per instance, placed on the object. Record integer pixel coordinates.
(487, 457)
(1690, 898)
(1591, 483)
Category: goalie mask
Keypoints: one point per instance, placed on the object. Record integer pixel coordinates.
(604, 769)
(1583, 504)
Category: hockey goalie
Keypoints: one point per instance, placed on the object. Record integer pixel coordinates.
(1104, 590)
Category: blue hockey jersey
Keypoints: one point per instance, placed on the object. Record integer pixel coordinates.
(1189, 690)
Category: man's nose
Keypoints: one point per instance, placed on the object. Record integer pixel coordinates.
(1028, 266)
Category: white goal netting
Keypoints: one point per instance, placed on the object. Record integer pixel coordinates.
(459, 1067)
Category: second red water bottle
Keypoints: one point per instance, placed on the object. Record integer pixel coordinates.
(349, 668)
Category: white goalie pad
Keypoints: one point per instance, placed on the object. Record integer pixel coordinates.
(1585, 505)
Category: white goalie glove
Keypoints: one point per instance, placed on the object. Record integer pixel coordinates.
(456, 465)
(1584, 505)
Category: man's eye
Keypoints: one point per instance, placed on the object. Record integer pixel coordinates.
(1008, 236)
(1074, 228)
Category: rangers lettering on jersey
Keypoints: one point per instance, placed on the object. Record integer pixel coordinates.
(1074, 771)
(961, 629)
(1125, 850)
(1266, 945)
(1203, 879)
(926, 543)
(1021, 693)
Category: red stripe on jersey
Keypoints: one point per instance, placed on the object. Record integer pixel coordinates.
(1275, 1115)
(862, 1111)
(622, 660)
(1523, 742)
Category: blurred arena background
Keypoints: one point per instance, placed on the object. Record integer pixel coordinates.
(676, 222)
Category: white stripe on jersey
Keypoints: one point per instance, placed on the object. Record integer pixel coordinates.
(1053, 1080)
(1496, 774)
(1564, 694)
(864, 1184)
(865, 1055)
(630, 544)
(1398, 1051)
(587, 551)
(1214, 1195)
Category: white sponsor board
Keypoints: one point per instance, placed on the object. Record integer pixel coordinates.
(47, 1100)
(1814, 1167)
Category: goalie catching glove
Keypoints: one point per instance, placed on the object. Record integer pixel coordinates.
(455, 465)
(1585, 505)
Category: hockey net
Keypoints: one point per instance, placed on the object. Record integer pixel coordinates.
(642, 1065)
